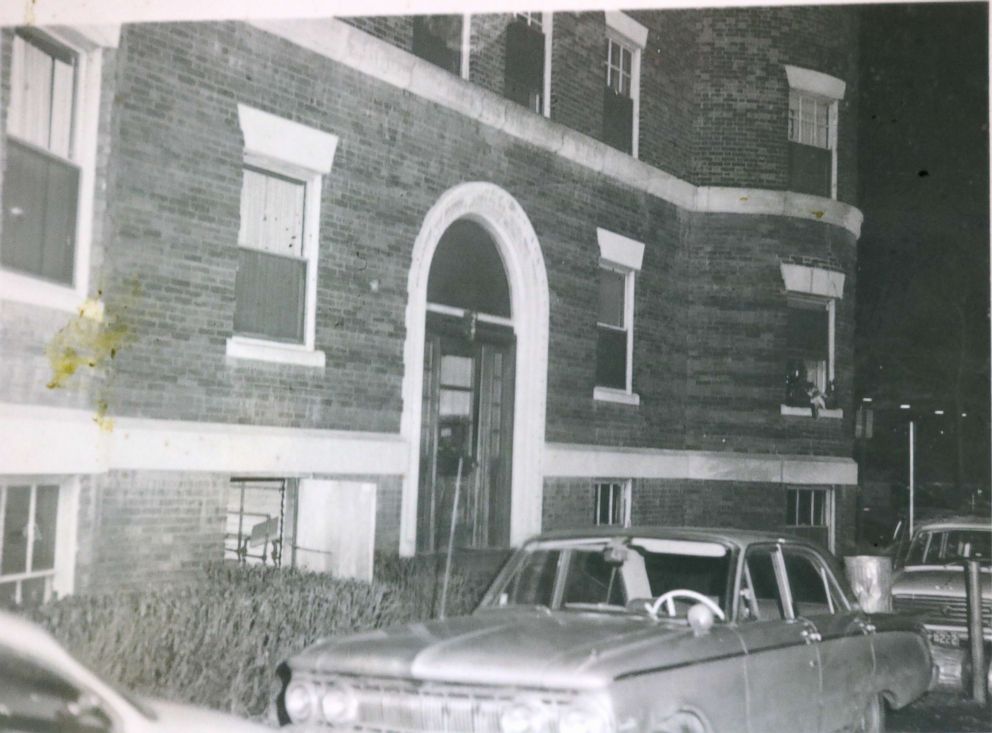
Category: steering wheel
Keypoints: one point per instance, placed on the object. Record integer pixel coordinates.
(669, 598)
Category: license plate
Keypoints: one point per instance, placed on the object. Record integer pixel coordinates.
(943, 638)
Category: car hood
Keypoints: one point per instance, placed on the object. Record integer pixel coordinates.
(566, 650)
(171, 717)
(932, 581)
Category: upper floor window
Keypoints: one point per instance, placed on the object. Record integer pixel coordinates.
(811, 297)
(438, 39)
(278, 239)
(48, 180)
(812, 131)
(620, 260)
(528, 61)
(625, 39)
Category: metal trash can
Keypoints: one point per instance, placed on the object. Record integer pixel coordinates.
(870, 577)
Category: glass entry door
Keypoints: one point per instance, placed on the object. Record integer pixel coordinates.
(467, 415)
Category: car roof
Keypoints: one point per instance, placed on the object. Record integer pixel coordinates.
(963, 521)
(739, 538)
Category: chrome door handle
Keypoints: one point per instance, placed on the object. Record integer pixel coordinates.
(867, 627)
(809, 636)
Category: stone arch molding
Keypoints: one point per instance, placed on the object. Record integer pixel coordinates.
(506, 222)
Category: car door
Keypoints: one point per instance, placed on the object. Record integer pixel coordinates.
(783, 668)
(846, 661)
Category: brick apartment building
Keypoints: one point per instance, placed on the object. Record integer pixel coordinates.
(263, 283)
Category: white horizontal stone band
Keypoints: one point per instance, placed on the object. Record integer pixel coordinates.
(366, 54)
(49, 440)
(584, 461)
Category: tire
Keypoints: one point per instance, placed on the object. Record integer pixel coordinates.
(872, 718)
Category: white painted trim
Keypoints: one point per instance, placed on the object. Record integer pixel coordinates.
(791, 411)
(92, 37)
(583, 461)
(466, 50)
(275, 137)
(815, 82)
(627, 28)
(512, 233)
(607, 394)
(450, 310)
(365, 54)
(66, 543)
(75, 444)
(620, 250)
(547, 25)
(813, 280)
(242, 347)
(23, 287)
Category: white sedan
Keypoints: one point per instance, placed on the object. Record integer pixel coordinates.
(42, 688)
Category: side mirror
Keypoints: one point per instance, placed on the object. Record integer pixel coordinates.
(700, 619)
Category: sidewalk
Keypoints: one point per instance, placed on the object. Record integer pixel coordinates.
(941, 712)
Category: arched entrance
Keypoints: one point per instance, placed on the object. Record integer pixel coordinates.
(475, 371)
(466, 432)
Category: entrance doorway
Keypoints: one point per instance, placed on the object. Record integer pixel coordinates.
(468, 395)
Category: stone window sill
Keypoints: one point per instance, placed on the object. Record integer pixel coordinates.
(835, 414)
(608, 394)
(241, 347)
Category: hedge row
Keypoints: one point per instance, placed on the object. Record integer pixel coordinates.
(219, 641)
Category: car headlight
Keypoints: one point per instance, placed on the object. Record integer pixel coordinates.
(338, 703)
(299, 700)
(524, 716)
(584, 719)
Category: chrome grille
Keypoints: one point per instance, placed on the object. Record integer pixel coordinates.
(403, 706)
(937, 610)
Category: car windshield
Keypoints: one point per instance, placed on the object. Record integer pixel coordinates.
(950, 545)
(613, 574)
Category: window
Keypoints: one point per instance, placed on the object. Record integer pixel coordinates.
(278, 239)
(28, 532)
(761, 598)
(813, 591)
(625, 39)
(48, 178)
(260, 521)
(809, 347)
(612, 503)
(438, 39)
(812, 131)
(808, 513)
(620, 260)
(528, 61)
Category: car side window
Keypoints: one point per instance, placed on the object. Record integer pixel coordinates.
(591, 579)
(35, 699)
(808, 584)
(761, 597)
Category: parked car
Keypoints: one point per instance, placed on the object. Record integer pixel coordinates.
(42, 689)
(931, 584)
(654, 629)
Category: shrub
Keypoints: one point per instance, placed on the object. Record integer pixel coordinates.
(420, 581)
(219, 641)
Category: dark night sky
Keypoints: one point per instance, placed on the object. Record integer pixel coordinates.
(923, 281)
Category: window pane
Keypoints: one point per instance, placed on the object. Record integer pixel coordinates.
(764, 584)
(45, 515)
(611, 358)
(805, 508)
(62, 92)
(254, 530)
(34, 119)
(808, 332)
(456, 371)
(15, 530)
(271, 213)
(39, 214)
(455, 403)
(611, 297)
(809, 594)
(270, 292)
(791, 500)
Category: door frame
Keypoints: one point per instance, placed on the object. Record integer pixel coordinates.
(516, 241)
